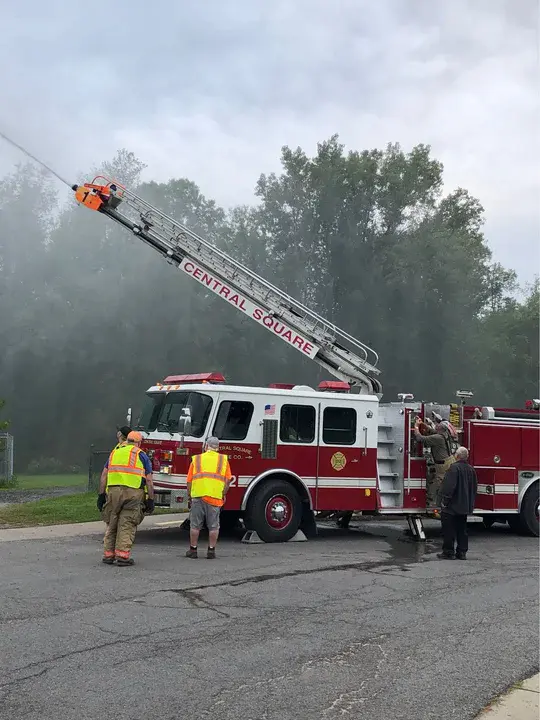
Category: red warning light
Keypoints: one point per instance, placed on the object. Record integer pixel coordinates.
(191, 379)
(334, 386)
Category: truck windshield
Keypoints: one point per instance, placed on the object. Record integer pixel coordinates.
(163, 410)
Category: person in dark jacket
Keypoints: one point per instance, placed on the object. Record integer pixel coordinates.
(458, 495)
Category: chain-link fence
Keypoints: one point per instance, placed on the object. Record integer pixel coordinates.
(97, 460)
(6, 459)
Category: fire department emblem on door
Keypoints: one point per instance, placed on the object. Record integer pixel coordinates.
(338, 461)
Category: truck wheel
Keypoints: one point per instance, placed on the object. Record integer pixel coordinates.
(274, 511)
(529, 509)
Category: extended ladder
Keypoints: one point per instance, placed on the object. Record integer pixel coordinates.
(332, 348)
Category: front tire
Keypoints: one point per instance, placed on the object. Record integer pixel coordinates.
(274, 511)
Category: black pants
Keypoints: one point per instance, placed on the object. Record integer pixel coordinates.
(454, 527)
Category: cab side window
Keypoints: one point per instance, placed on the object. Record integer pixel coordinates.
(297, 424)
(233, 419)
(339, 426)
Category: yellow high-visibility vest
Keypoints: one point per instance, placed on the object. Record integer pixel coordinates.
(125, 467)
(209, 475)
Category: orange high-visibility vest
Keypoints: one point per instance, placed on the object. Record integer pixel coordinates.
(208, 475)
(125, 467)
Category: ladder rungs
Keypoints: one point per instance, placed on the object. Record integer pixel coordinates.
(389, 492)
(345, 356)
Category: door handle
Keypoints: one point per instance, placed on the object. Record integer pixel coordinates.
(364, 452)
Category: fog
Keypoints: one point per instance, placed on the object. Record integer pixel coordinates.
(91, 316)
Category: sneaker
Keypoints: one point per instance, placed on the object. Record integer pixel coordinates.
(124, 562)
(191, 553)
(445, 556)
(211, 553)
(107, 560)
(461, 556)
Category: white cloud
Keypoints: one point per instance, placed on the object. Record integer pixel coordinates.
(212, 92)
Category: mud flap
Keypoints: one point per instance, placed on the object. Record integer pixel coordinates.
(307, 524)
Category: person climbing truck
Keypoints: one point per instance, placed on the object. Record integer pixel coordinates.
(439, 443)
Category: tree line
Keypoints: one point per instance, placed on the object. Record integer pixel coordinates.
(90, 316)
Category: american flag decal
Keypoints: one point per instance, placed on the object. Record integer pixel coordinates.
(269, 409)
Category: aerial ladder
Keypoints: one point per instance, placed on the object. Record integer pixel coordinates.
(339, 353)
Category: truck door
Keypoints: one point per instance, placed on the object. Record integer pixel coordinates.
(297, 448)
(347, 463)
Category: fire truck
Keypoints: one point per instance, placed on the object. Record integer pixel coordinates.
(300, 453)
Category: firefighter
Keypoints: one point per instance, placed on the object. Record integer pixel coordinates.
(121, 437)
(208, 482)
(438, 442)
(450, 431)
(122, 433)
(122, 498)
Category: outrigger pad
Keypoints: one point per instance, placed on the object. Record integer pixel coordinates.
(416, 527)
(252, 537)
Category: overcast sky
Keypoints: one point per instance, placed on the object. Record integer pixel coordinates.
(211, 90)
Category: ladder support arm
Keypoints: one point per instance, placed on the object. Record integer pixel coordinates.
(342, 355)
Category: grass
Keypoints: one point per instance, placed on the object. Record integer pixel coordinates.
(46, 482)
(52, 511)
(56, 511)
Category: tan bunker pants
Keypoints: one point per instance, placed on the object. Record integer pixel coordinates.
(434, 482)
(123, 512)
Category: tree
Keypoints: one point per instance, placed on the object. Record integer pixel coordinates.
(508, 350)
(367, 239)
(4, 424)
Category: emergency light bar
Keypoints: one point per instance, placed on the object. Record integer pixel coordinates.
(334, 386)
(405, 397)
(193, 379)
(281, 386)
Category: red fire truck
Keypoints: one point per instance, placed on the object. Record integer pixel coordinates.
(296, 451)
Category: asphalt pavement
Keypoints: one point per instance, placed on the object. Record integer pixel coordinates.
(354, 624)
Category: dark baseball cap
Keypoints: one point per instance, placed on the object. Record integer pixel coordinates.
(124, 429)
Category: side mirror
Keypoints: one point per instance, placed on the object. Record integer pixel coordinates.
(128, 417)
(184, 422)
